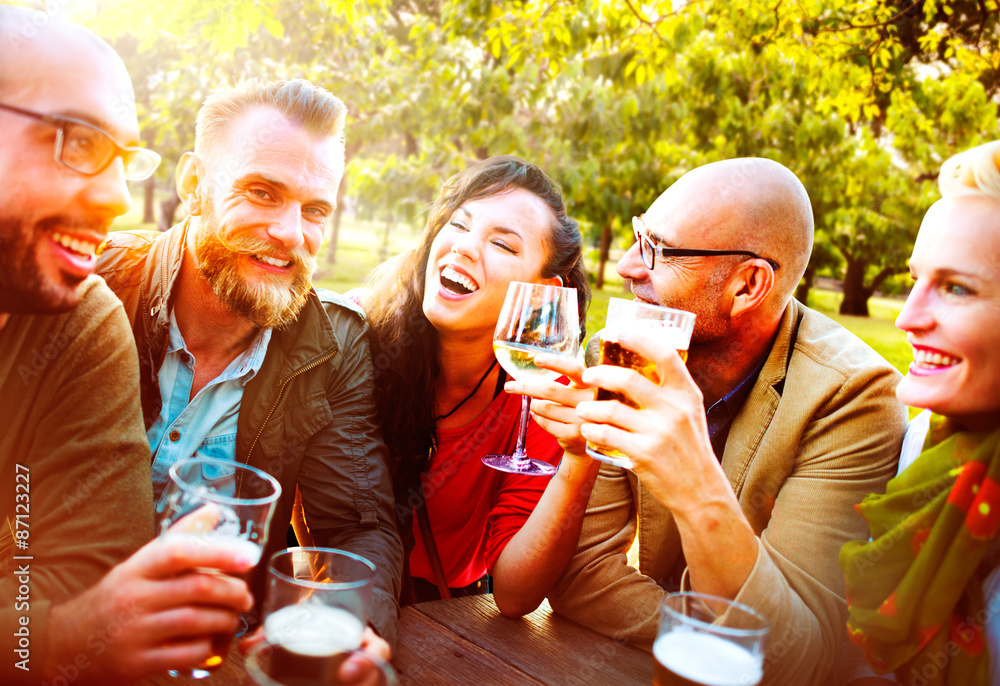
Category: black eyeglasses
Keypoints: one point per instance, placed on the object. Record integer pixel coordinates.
(86, 149)
(648, 251)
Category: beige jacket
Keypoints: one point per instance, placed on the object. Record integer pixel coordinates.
(820, 430)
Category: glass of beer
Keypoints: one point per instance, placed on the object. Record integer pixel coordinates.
(625, 315)
(221, 504)
(314, 616)
(705, 640)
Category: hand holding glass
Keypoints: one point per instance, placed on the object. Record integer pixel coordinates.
(314, 617)
(217, 503)
(534, 319)
(629, 315)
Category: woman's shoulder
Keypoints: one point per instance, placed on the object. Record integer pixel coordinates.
(361, 296)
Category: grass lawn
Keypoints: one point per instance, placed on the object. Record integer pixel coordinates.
(359, 253)
(878, 330)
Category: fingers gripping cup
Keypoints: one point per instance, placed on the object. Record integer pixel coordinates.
(314, 618)
(708, 641)
(633, 315)
(222, 505)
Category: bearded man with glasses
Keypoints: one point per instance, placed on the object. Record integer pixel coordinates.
(748, 460)
(82, 600)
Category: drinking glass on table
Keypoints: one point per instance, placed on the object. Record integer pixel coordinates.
(630, 315)
(314, 617)
(217, 503)
(705, 640)
(534, 319)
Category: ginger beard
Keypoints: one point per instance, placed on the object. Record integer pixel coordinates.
(269, 301)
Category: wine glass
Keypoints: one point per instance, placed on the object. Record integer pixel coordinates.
(222, 504)
(534, 319)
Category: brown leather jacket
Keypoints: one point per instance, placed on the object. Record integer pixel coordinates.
(307, 417)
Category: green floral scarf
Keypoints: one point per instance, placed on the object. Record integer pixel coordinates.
(914, 592)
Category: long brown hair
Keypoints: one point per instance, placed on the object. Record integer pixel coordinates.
(404, 343)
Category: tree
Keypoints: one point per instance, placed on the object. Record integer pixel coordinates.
(614, 99)
(876, 223)
(921, 77)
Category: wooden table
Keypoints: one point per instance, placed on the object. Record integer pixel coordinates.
(467, 641)
(231, 673)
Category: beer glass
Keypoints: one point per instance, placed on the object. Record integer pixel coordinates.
(705, 640)
(534, 319)
(626, 315)
(314, 616)
(222, 504)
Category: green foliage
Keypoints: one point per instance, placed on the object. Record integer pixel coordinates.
(862, 99)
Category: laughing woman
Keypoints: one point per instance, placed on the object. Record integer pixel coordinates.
(440, 390)
(924, 594)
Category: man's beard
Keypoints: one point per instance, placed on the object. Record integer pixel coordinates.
(271, 302)
(23, 288)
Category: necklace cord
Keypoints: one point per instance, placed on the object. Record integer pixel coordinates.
(468, 397)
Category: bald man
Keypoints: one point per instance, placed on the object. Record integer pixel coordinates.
(749, 459)
(73, 452)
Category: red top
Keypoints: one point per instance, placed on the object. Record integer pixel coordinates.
(475, 510)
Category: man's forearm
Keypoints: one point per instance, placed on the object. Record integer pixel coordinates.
(719, 546)
(599, 589)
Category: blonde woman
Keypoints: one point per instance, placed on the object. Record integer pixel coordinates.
(924, 593)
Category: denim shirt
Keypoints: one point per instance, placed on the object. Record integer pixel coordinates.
(205, 426)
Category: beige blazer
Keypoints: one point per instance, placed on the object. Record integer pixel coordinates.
(820, 430)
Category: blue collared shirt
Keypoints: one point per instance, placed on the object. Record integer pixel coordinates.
(206, 425)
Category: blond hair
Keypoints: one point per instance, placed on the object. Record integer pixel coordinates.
(973, 172)
(316, 109)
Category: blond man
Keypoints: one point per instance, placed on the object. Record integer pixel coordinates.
(240, 358)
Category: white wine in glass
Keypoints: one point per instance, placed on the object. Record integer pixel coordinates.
(534, 319)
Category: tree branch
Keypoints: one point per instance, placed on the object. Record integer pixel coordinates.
(652, 25)
(877, 25)
(883, 274)
(777, 25)
(643, 19)
(982, 23)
